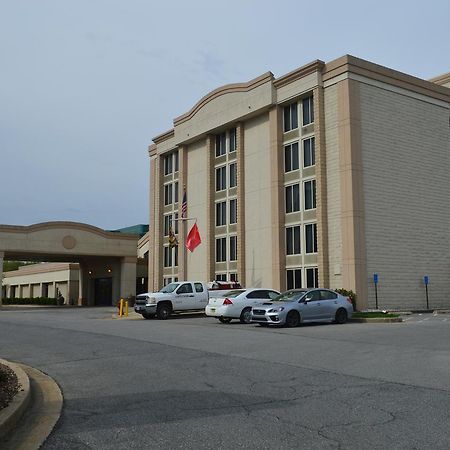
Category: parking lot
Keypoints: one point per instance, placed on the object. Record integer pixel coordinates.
(191, 382)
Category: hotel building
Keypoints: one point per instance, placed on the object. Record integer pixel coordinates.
(323, 177)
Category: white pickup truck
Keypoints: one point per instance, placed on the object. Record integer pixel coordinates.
(177, 297)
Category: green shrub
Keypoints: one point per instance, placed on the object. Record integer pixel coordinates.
(349, 294)
(30, 301)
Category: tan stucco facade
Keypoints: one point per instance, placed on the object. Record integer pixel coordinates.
(318, 199)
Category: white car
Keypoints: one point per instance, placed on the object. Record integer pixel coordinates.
(238, 303)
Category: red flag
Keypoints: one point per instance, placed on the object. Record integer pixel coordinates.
(193, 239)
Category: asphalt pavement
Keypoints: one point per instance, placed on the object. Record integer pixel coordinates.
(193, 383)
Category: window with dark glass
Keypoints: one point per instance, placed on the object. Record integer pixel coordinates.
(168, 194)
(309, 154)
(293, 240)
(168, 164)
(308, 110)
(233, 175)
(312, 278)
(233, 141)
(175, 191)
(292, 194)
(291, 157)
(221, 178)
(233, 248)
(185, 288)
(233, 211)
(176, 223)
(175, 256)
(294, 278)
(175, 161)
(221, 277)
(233, 277)
(221, 214)
(310, 194)
(311, 238)
(290, 117)
(167, 224)
(167, 257)
(221, 142)
(221, 249)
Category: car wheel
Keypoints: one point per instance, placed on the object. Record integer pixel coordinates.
(246, 315)
(148, 316)
(224, 319)
(163, 312)
(341, 316)
(292, 319)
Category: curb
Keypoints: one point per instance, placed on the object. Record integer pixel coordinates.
(39, 415)
(12, 414)
(378, 320)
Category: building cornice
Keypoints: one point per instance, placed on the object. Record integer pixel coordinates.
(152, 149)
(41, 268)
(367, 69)
(314, 66)
(227, 89)
(441, 79)
(25, 229)
(164, 136)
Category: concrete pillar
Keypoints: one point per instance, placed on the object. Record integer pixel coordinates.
(128, 277)
(2, 256)
(81, 283)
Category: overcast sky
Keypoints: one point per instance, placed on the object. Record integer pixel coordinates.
(86, 84)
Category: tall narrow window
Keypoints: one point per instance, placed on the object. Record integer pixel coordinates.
(221, 214)
(312, 277)
(310, 194)
(233, 175)
(175, 223)
(221, 141)
(292, 198)
(175, 192)
(311, 238)
(167, 256)
(309, 154)
(175, 161)
(290, 116)
(291, 157)
(168, 194)
(233, 141)
(233, 248)
(168, 164)
(294, 278)
(167, 224)
(308, 110)
(293, 240)
(221, 249)
(221, 178)
(233, 211)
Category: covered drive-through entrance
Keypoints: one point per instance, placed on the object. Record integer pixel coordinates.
(107, 260)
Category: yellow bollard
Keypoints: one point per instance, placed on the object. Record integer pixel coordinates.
(121, 308)
(126, 308)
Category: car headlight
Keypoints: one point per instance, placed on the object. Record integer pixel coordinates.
(151, 301)
(280, 308)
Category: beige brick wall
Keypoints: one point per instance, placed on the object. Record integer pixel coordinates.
(333, 187)
(406, 161)
(197, 203)
(257, 202)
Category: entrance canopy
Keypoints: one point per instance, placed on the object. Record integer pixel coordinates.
(100, 253)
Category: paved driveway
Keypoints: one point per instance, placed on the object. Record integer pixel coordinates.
(193, 383)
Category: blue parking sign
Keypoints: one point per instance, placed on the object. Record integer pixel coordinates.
(425, 280)
(375, 278)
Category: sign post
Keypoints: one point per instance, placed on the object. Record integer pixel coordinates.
(375, 281)
(425, 282)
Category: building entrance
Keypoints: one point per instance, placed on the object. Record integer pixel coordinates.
(103, 291)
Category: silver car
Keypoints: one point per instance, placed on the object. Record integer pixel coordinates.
(303, 305)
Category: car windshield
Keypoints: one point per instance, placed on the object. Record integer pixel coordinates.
(290, 296)
(169, 288)
(232, 294)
